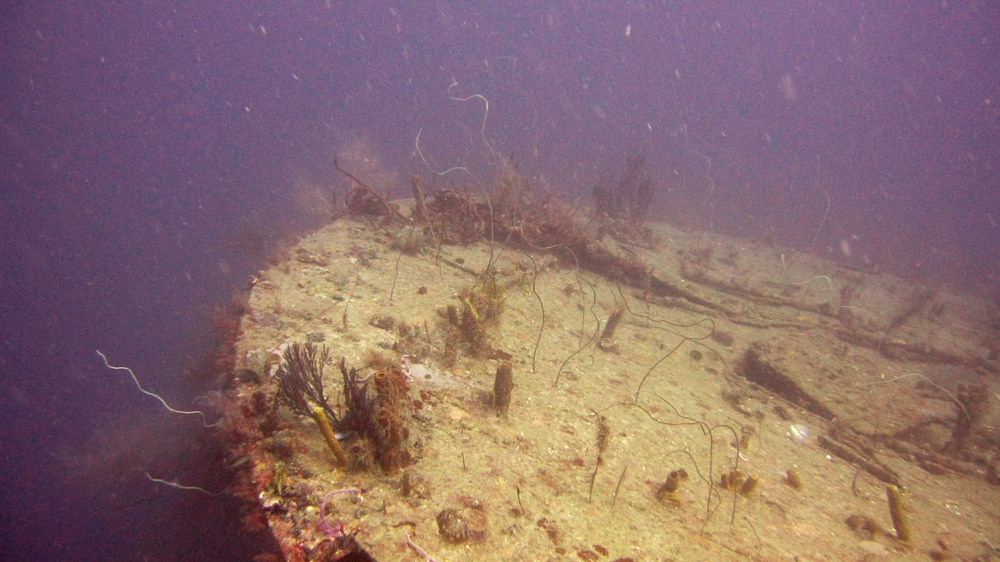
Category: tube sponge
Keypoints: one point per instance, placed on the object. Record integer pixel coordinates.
(896, 512)
(319, 416)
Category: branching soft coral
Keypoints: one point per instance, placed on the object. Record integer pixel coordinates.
(300, 380)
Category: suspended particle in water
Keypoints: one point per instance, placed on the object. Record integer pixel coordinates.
(845, 248)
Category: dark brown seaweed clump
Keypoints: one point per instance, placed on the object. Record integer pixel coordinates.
(379, 419)
(516, 213)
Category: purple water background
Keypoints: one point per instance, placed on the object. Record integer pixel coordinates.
(152, 152)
